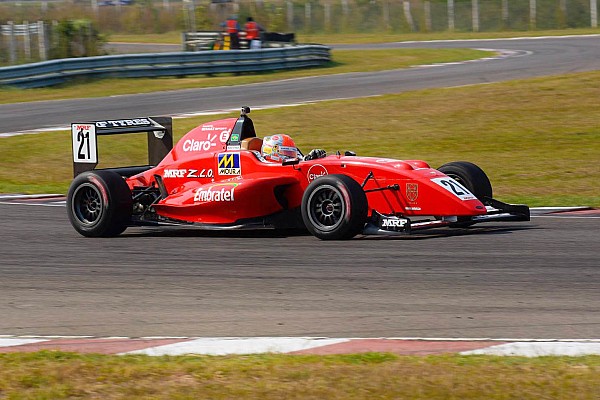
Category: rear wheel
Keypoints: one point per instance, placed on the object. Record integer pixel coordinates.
(470, 176)
(334, 207)
(99, 204)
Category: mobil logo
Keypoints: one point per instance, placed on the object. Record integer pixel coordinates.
(316, 171)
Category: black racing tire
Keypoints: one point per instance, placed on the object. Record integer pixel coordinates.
(470, 176)
(334, 207)
(99, 204)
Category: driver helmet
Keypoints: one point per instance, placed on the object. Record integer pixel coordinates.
(278, 148)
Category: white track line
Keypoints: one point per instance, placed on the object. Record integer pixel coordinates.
(499, 39)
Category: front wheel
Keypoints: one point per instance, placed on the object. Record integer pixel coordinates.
(99, 204)
(470, 176)
(334, 207)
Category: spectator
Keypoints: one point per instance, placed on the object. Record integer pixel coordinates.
(232, 28)
(253, 30)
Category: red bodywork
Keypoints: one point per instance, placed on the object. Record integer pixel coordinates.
(209, 182)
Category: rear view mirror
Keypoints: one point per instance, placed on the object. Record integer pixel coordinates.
(291, 161)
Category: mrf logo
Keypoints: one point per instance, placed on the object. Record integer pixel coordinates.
(393, 223)
(229, 164)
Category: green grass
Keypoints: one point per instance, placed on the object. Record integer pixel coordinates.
(57, 375)
(353, 38)
(537, 140)
(343, 61)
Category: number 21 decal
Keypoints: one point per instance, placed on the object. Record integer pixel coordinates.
(455, 188)
(84, 143)
(83, 138)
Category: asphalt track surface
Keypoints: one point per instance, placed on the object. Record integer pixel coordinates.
(514, 280)
(529, 58)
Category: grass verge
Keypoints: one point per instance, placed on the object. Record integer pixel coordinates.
(537, 140)
(58, 375)
(354, 38)
(342, 61)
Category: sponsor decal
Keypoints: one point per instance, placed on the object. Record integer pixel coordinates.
(188, 173)
(200, 145)
(455, 188)
(223, 192)
(413, 208)
(123, 123)
(316, 171)
(412, 191)
(210, 127)
(393, 223)
(235, 137)
(229, 164)
(224, 136)
(84, 143)
(234, 147)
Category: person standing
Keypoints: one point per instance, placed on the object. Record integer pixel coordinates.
(232, 28)
(253, 30)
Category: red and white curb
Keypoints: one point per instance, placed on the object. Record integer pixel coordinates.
(216, 346)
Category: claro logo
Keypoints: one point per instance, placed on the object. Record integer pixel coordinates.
(316, 171)
(200, 145)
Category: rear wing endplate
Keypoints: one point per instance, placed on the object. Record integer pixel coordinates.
(85, 145)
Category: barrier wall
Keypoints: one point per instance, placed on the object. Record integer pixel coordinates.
(54, 72)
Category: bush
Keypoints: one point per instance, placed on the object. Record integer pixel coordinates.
(76, 38)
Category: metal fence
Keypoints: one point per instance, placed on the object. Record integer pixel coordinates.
(347, 16)
(19, 37)
(320, 16)
(54, 72)
(437, 15)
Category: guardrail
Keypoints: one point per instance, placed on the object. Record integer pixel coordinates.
(54, 72)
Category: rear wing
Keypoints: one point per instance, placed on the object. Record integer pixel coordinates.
(85, 145)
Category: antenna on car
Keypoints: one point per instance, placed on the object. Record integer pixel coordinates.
(245, 110)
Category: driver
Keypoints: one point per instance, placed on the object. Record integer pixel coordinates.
(278, 148)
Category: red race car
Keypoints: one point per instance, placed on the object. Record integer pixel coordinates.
(221, 176)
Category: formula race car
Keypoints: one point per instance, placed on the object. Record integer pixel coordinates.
(216, 177)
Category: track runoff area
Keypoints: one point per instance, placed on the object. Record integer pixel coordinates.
(158, 346)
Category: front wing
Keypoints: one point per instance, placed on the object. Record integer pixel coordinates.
(379, 224)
